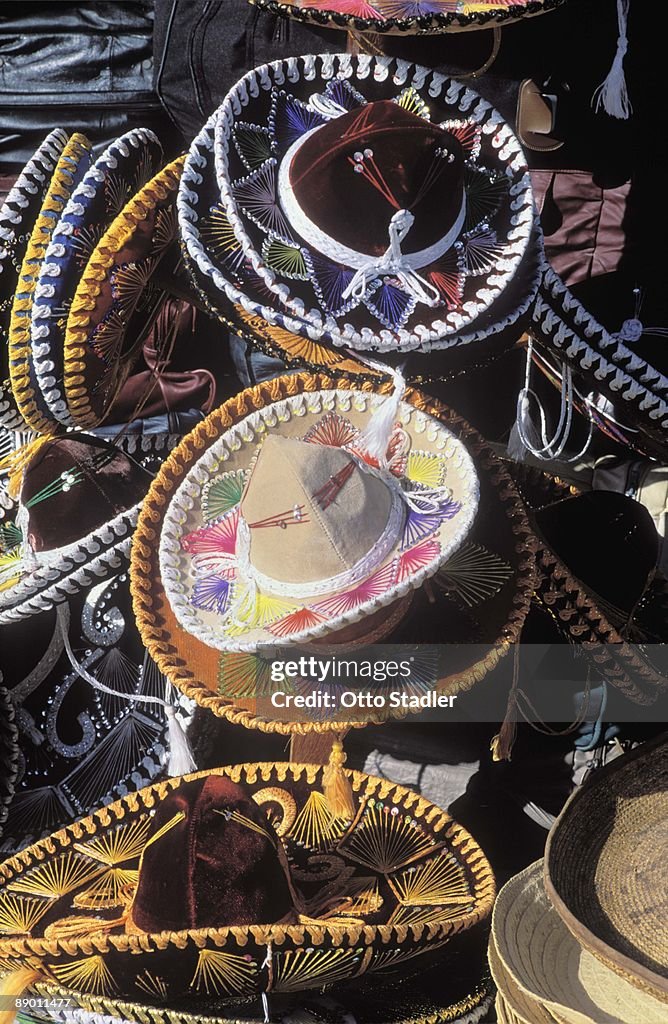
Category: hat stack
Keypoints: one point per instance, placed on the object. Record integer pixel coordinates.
(581, 937)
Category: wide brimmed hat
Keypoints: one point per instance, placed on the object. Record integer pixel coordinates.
(605, 866)
(72, 164)
(373, 261)
(451, 986)
(19, 212)
(115, 177)
(289, 527)
(477, 601)
(114, 302)
(605, 362)
(408, 17)
(544, 974)
(397, 881)
(78, 505)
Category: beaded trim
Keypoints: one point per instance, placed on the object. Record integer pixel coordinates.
(312, 324)
(177, 567)
(127, 163)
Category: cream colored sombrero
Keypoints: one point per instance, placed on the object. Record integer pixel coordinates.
(294, 524)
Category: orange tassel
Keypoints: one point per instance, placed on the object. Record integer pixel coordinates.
(336, 785)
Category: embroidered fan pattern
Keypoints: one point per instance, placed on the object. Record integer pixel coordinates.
(325, 281)
(385, 839)
(216, 588)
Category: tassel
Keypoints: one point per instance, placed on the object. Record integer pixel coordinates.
(13, 986)
(523, 427)
(613, 94)
(15, 463)
(181, 760)
(502, 744)
(375, 438)
(336, 785)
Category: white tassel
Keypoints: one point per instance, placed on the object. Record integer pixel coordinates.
(375, 437)
(181, 760)
(613, 94)
(523, 426)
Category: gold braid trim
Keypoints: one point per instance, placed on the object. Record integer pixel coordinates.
(98, 268)
(57, 195)
(22, 950)
(144, 576)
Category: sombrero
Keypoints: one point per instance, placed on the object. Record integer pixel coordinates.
(344, 533)
(544, 974)
(216, 250)
(19, 212)
(605, 866)
(481, 596)
(115, 177)
(397, 881)
(114, 301)
(9, 753)
(606, 362)
(359, 289)
(72, 164)
(408, 17)
(451, 986)
(78, 505)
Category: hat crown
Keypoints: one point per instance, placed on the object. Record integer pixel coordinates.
(353, 174)
(334, 513)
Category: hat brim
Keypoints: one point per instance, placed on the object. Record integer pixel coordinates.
(229, 684)
(576, 988)
(252, 269)
(18, 214)
(564, 328)
(300, 613)
(105, 323)
(119, 173)
(408, 17)
(69, 170)
(42, 882)
(611, 896)
(450, 986)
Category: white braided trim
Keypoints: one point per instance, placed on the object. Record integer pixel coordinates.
(576, 348)
(66, 570)
(312, 323)
(176, 566)
(43, 325)
(554, 288)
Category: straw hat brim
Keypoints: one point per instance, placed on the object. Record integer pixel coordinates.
(544, 974)
(612, 894)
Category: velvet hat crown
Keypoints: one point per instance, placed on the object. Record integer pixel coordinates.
(211, 859)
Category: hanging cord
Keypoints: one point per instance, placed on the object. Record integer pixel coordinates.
(526, 436)
(180, 756)
(613, 94)
(268, 962)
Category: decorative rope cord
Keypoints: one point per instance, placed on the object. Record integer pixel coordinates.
(181, 760)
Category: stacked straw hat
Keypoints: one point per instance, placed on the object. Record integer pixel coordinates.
(580, 938)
